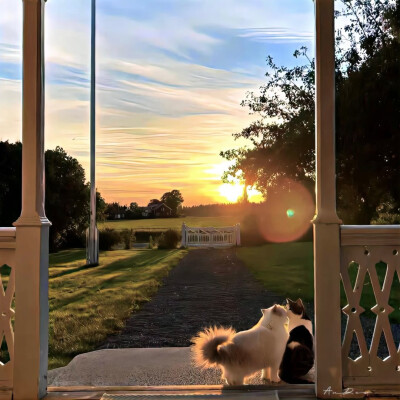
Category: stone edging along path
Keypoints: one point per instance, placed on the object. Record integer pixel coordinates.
(208, 287)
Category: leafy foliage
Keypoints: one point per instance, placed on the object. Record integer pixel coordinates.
(108, 238)
(10, 182)
(169, 239)
(134, 211)
(173, 200)
(367, 116)
(128, 236)
(67, 194)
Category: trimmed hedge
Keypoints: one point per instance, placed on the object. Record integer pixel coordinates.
(169, 239)
(108, 238)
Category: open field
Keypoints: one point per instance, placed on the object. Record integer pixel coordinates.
(173, 223)
(287, 269)
(88, 304)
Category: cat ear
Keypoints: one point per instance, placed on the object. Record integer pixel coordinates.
(276, 309)
(299, 302)
(262, 311)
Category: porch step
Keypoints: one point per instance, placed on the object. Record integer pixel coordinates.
(138, 367)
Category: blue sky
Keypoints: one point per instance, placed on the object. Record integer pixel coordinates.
(170, 78)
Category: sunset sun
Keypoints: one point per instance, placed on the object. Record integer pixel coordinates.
(231, 191)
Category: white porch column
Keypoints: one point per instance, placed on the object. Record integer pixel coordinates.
(326, 222)
(32, 227)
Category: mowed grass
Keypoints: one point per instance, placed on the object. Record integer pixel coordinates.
(284, 268)
(173, 223)
(287, 269)
(89, 303)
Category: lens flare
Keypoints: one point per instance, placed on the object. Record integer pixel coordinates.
(288, 213)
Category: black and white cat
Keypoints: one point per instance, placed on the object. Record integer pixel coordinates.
(298, 357)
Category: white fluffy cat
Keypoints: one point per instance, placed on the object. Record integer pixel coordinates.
(240, 355)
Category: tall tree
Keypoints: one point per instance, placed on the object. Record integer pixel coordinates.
(10, 182)
(134, 211)
(367, 116)
(67, 194)
(173, 200)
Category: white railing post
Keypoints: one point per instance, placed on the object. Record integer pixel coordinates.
(32, 227)
(238, 241)
(326, 223)
(183, 244)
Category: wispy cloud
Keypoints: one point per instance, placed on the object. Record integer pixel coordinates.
(277, 35)
(170, 78)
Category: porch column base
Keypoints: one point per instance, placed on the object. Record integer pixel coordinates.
(328, 351)
(31, 308)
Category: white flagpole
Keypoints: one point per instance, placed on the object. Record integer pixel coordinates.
(92, 252)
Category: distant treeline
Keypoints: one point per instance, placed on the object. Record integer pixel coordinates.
(214, 210)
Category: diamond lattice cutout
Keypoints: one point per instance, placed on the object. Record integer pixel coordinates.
(367, 302)
(381, 269)
(383, 351)
(4, 354)
(353, 271)
(5, 272)
(355, 351)
(394, 301)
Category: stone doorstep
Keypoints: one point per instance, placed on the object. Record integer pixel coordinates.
(137, 367)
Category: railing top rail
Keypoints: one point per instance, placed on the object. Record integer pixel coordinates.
(368, 228)
(378, 235)
(7, 232)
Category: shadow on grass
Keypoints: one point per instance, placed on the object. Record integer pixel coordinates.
(89, 303)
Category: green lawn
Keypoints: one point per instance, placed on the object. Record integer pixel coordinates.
(173, 223)
(287, 269)
(88, 304)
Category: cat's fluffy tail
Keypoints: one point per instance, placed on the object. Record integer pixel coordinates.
(206, 347)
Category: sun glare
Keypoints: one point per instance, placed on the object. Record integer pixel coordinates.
(234, 191)
(231, 191)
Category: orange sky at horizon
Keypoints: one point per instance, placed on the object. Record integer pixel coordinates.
(170, 79)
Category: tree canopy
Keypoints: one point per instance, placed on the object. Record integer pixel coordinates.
(281, 140)
(67, 194)
(173, 200)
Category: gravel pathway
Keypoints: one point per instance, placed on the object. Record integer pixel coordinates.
(208, 286)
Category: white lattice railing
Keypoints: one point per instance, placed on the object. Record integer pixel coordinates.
(370, 257)
(7, 291)
(210, 236)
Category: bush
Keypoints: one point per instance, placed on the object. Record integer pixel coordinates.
(108, 238)
(144, 236)
(128, 236)
(169, 239)
(250, 232)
